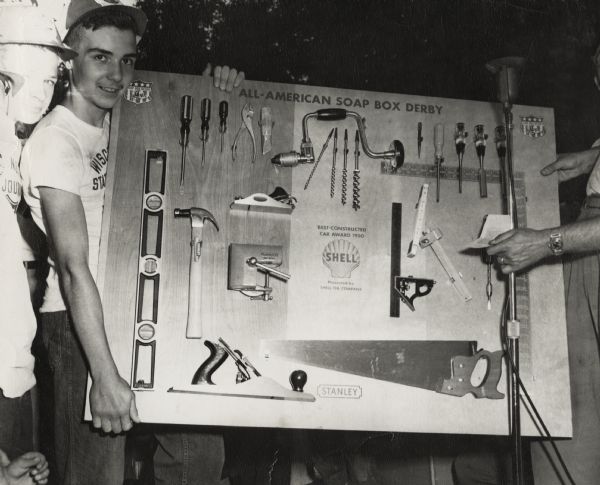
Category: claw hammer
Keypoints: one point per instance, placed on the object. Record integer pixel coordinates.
(197, 217)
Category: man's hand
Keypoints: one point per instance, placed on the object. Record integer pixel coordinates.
(224, 77)
(112, 404)
(571, 165)
(28, 469)
(519, 248)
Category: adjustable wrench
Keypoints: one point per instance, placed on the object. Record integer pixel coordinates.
(197, 217)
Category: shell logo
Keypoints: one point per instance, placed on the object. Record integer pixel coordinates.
(341, 257)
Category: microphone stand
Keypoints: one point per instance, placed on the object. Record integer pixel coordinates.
(506, 70)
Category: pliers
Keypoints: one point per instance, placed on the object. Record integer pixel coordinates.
(247, 115)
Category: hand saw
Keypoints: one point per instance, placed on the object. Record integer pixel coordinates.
(444, 366)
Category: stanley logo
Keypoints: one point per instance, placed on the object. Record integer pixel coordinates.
(341, 257)
(338, 391)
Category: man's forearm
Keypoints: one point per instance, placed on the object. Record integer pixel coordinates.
(581, 236)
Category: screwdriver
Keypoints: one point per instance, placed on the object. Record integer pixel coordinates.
(223, 111)
(480, 138)
(500, 140)
(459, 139)
(185, 116)
(205, 117)
(438, 142)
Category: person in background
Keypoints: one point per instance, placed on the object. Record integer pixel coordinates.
(28, 469)
(30, 51)
(579, 244)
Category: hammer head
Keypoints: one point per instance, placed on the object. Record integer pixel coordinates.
(197, 216)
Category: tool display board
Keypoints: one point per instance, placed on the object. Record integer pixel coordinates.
(342, 261)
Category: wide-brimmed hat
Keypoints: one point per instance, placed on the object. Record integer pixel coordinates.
(29, 25)
(79, 10)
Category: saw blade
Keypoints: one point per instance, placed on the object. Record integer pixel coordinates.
(416, 363)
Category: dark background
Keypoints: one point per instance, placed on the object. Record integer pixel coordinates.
(423, 47)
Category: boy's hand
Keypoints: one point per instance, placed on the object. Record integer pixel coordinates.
(28, 469)
(224, 77)
(112, 404)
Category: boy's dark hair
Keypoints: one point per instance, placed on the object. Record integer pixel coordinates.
(107, 18)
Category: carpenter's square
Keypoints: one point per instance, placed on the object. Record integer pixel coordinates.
(432, 238)
(419, 221)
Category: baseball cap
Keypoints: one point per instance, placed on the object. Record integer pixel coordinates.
(29, 25)
(79, 10)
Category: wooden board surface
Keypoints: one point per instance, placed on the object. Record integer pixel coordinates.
(317, 303)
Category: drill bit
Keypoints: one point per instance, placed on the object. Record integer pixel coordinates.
(185, 116)
(345, 168)
(205, 117)
(223, 111)
(356, 175)
(419, 138)
(459, 139)
(332, 188)
(488, 286)
(318, 159)
(438, 141)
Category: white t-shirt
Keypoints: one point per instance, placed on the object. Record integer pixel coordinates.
(66, 153)
(17, 321)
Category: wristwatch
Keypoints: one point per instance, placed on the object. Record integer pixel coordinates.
(555, 243)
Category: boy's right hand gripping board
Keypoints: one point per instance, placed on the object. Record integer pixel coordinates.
(309, 308)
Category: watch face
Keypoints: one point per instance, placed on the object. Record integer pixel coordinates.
(556, 243)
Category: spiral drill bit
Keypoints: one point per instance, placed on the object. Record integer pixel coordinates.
(312, 172)
(356, 176)
(345, 168)
(332, 188)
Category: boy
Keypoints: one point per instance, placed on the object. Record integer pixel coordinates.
(67, 205)
(62, 165)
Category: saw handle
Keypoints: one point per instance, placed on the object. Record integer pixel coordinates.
(462, 371)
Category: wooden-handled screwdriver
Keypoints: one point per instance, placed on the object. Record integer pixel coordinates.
(223, 112)
(185, 116)
(205, 117)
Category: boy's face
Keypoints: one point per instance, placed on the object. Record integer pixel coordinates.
(37, 68)
(104, 66)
